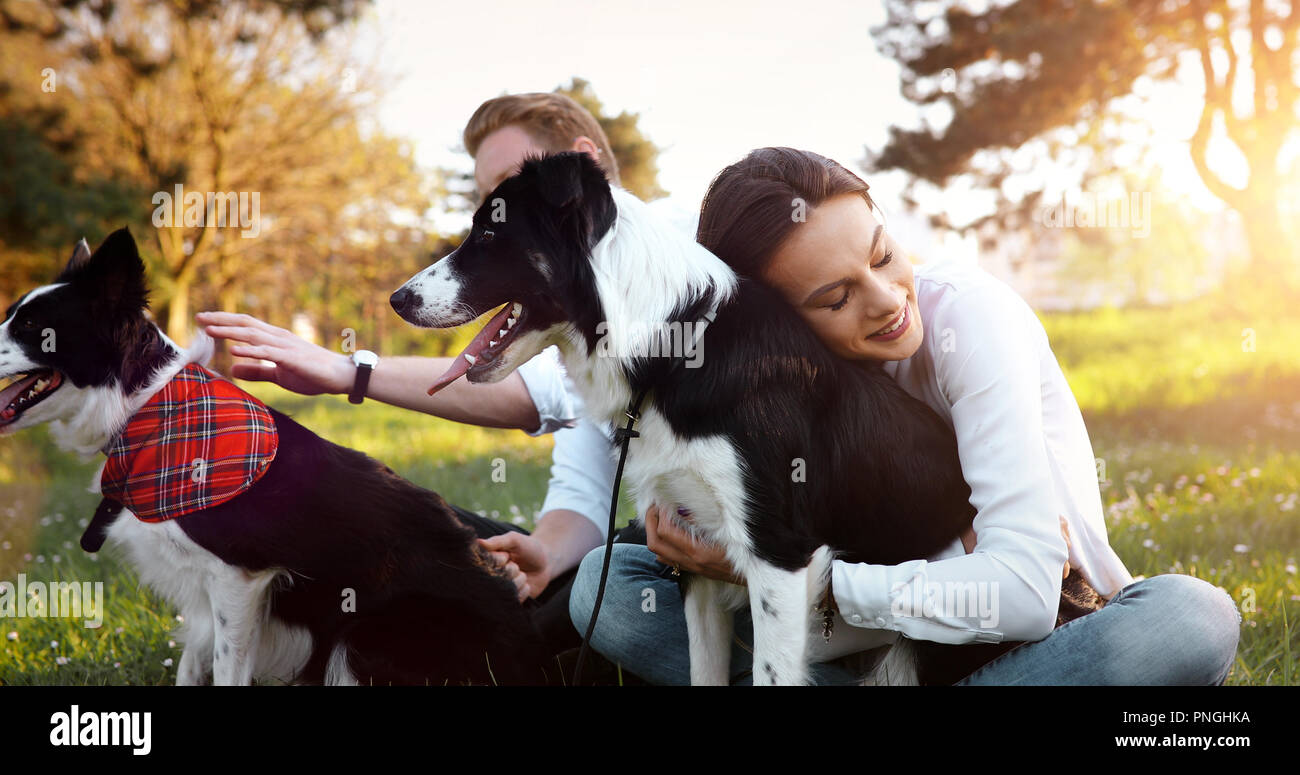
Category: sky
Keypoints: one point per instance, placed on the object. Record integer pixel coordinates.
(711, 80)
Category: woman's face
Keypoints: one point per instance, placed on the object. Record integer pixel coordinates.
(849, 280)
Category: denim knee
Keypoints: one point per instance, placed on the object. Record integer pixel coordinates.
(1205, 625)
(631, 567)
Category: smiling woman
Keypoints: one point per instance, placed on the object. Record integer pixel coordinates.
(803, 224)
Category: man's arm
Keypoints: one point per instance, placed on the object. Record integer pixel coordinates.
(309, 369)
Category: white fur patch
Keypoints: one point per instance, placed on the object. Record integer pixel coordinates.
(227, 631)
(439, 290)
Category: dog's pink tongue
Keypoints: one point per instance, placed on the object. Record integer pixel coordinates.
(475, 346)
(13, 391)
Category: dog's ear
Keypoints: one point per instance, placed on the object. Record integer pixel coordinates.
(80, 255)
(560, 178)
(80, 258)
(114, 275)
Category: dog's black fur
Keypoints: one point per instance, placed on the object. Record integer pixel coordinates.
(431, 607)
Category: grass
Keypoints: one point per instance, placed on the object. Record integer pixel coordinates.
(1196, 434)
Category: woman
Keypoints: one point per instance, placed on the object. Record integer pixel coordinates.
(967, 345)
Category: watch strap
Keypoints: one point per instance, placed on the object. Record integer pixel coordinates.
(360, 384)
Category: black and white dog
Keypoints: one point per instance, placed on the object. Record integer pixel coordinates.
(329, 569)
(586, 266)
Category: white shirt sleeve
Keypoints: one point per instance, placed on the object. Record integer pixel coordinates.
(991, 379)
(547, 385)
(582, 474)
(582, 463)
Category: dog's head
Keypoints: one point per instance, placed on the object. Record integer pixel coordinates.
(84, 332)
(529, 248)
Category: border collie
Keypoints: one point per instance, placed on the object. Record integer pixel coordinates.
(329, 569)
(585, 266)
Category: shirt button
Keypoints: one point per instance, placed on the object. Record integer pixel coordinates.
(880, 621)
(856, 619)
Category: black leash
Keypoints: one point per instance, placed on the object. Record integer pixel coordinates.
(622, 436)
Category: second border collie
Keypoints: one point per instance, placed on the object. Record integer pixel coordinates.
(585, 266)
(328, 568)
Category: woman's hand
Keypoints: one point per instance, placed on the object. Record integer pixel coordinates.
(1065, 531)
(299, 365)
(675, 546)
(968, 540)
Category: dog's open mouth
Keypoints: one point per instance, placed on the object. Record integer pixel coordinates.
(21, 392)
(486, 347)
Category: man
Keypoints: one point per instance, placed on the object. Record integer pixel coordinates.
(535, 398)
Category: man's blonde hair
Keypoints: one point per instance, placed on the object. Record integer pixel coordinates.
(553, 120)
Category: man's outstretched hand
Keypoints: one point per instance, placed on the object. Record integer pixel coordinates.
(296, 364)
(525, 560)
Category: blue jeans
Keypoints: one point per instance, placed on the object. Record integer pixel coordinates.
(1169, 629)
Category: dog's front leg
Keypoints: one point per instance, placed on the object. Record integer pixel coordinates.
(238, 600)
(709, 628)
(196, 633)
(196, 660)
(781, 603)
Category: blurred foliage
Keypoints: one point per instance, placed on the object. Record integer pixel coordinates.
(1163, 258)
(110, 107)
(1057, 78)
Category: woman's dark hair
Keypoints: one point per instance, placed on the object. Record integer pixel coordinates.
(752, 206)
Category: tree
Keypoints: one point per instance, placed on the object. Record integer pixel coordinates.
(251, 140)
(1060, 74)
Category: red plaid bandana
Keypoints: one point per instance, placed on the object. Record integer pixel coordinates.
(198, 442)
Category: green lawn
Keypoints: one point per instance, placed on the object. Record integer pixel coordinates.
(1194, 414)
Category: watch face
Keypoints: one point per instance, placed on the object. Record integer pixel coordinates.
(365, 358)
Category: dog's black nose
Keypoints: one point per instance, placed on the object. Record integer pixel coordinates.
(404, 300)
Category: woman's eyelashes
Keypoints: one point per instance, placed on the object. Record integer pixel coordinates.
(839, 305)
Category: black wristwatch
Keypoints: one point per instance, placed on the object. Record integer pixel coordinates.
(365, 361)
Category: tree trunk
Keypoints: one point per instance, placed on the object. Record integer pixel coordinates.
(179, 322)
(1273, 256)
(227, 300)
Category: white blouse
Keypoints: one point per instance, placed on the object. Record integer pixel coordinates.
(985, 366)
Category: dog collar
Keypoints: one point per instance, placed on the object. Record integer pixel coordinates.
(197, 443)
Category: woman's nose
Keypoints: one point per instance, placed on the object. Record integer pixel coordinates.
(880, 299)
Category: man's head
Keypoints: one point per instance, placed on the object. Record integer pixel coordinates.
(506, 129)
